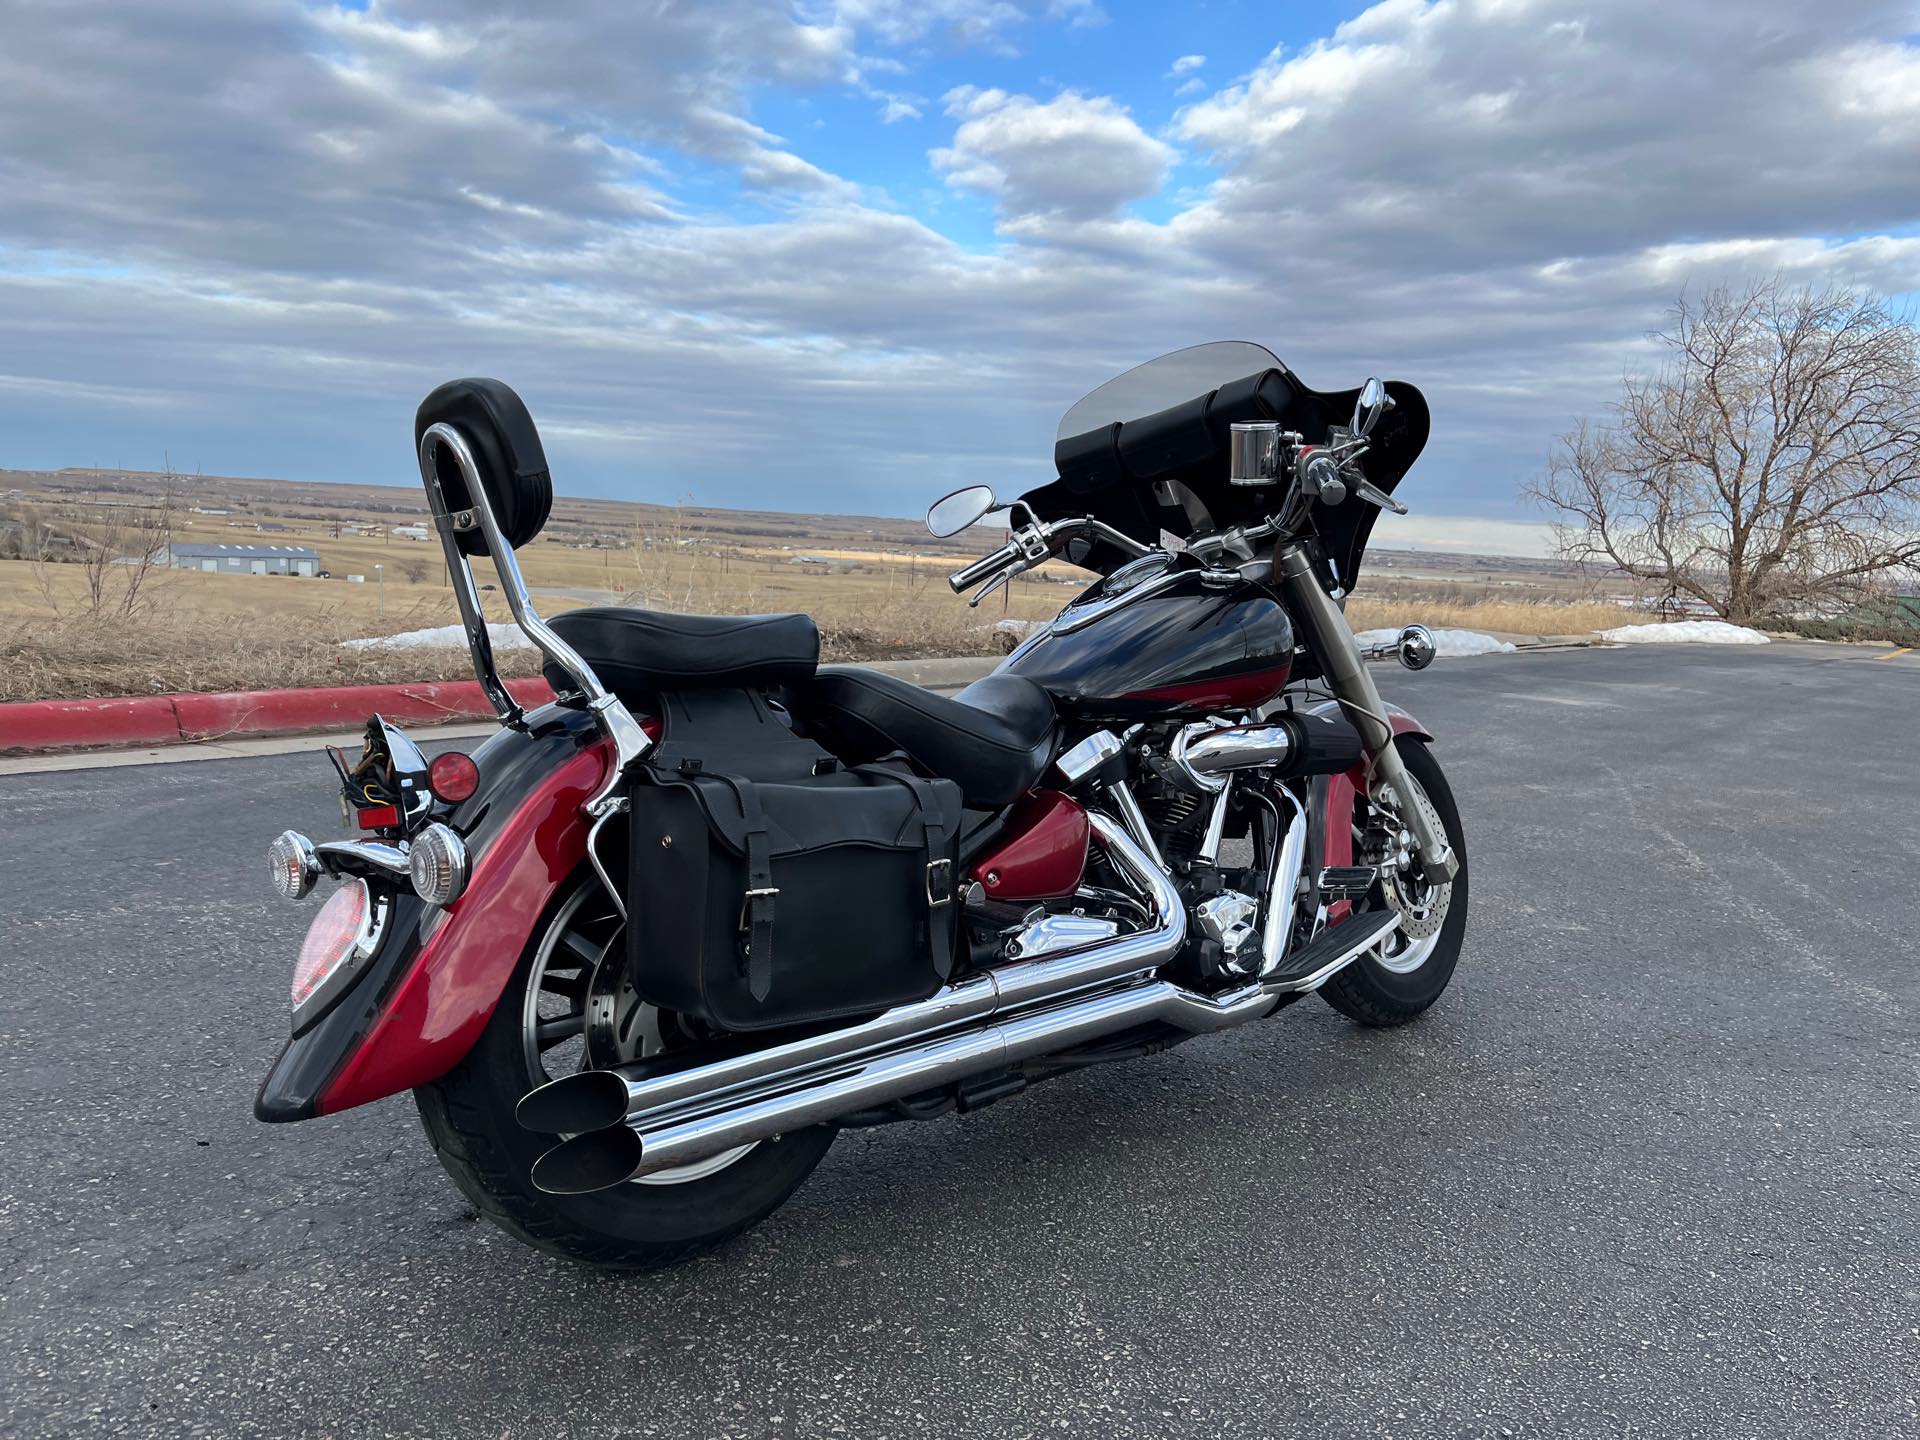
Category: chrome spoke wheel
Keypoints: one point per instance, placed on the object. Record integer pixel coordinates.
(581, 1011)
(1422, 905)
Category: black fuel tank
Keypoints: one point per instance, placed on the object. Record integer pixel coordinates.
(1159, 638)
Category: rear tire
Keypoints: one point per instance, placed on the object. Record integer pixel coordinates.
(468, 1115)
(1371, 992)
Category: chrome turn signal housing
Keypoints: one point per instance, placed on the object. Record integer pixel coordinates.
(437, 862)
(292, 865)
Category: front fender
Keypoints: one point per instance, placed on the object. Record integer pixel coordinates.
(432, 986)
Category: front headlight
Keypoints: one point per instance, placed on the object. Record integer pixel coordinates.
(437, 860)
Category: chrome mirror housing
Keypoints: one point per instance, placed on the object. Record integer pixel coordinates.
(1415, 647)
(1372, 402)
(951, 514)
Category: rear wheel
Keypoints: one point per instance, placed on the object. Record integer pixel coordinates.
(569, 1008)
(1408, 970)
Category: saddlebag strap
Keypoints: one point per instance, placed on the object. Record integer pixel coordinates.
(757, 920)
(940, 877)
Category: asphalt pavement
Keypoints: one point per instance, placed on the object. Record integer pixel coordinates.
(1651, 1167)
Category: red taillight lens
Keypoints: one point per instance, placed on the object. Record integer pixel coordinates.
(332, 939)
(453, 776)
(377, 817)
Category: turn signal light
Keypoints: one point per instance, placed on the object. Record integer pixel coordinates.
(292, 865)
(453, 777)
(437, 861)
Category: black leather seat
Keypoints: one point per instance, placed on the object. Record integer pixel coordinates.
(993, 739)
(642, 652)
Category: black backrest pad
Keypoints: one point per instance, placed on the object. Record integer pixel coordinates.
(506, 448)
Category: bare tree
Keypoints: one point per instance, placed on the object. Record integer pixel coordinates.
(1772, 463)
(121, 557)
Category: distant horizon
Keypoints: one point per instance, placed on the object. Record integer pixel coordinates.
(1441, 534)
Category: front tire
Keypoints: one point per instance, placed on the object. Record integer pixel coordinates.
(1383, 988)
(468, 1115)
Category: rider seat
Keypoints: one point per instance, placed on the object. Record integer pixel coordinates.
(639, 653)
(993, 739)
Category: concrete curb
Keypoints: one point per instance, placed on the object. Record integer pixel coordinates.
(147, 721)
(150, 720)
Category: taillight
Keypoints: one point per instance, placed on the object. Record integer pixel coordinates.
(453, 777)
(342, 937)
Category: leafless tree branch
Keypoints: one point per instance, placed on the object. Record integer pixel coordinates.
(1772, 463)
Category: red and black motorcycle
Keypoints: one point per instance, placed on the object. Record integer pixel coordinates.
(651, 946)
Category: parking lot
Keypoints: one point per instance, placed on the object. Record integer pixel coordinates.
(1651, 1167)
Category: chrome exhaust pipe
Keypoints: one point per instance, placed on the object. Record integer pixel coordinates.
(597, 1098)
(604, 1158)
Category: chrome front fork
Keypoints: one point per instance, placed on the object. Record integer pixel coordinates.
(1339, 654)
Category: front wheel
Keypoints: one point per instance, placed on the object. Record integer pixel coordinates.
(1407, 971)
(569, 1007)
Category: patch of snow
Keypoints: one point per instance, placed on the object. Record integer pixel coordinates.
(1685, 632)
(441, 637)
(1450, 643)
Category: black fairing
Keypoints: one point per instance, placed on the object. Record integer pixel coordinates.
(1195, 646)
(1110, 473)
(512, 763)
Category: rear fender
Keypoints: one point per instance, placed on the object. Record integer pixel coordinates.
(431, 987)
(1333, 799)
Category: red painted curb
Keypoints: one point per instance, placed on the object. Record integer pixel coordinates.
(177, 719)
(54, 724)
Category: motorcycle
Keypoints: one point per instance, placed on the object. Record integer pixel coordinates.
(649, 948)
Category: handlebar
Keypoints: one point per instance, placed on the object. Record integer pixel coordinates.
(983, 567)
(1033, 544)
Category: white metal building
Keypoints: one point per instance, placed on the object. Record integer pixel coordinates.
(245, 559)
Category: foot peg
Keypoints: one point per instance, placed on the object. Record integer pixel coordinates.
(1347, 882)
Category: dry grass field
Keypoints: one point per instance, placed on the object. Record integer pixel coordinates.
(876, 586)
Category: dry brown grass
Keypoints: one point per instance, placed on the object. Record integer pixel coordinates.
(227, 632)
(81, 657)
(219, 632)
(1520, 617)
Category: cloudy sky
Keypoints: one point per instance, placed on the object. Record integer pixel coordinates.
(843, 254)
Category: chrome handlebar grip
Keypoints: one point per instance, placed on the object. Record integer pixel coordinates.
(980, 569)
(1034, 545)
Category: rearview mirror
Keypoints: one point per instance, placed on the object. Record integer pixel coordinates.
(953, 513)
(1373, 400)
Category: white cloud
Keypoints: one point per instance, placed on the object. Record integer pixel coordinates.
(1075, 157)
(255, 234)
(1186, 65)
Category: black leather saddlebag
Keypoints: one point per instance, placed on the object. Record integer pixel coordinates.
(770, 887)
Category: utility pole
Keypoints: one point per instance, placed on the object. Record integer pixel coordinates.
(380, 584)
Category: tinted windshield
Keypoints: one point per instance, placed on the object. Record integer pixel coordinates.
(1150, 388)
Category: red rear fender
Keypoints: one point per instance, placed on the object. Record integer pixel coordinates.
(433, 985)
